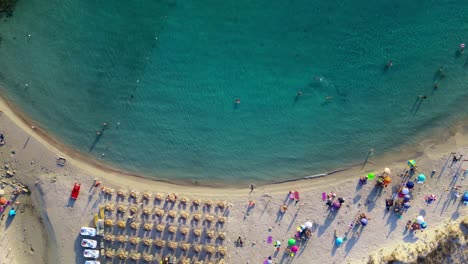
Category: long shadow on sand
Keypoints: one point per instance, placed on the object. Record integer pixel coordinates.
(330, 217)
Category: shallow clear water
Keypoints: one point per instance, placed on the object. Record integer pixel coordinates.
(169, 72)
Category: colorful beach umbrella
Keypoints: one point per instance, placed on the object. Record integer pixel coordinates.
(410, 184)
(423, 225)
(387, 180)
(371, 176)
(388, 171)
(420, 219)
(294, 249)
(407, 205)
(411, 163)
(291, 242)
(364, 221)
(3, 201)
(405, 191)
(406, 198)
(339, 241)
(12, 212)
(421, 178)
(308, 225)
(336, 205)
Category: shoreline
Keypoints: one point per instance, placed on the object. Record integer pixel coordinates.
(436, 136)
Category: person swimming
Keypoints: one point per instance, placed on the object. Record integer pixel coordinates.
(462, 47)
(237, 101)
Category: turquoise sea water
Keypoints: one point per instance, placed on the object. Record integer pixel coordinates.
(169, 72)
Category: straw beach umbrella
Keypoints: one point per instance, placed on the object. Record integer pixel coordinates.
(109, 237)
(222, 235)
(109, 253)
(160, 243)
(197, 248)
(210, 234)
(160, 227)
(196, 217)
(148, 226)
(109, 222)
(121, 224)
(221, 204)
(184, 200)
(122, 208)
(197, 232)
(184, 230)
(209, 218)
(208, 203)
(135, 256)
(148, 257)
(108, 191)
(172, 229)
(184, 214)
(134, 240)
(159, 212)
(210, 249)
(196, 202)
(146, 211)
(159, 197)
(122, 254)
(172, 213)
(133, 209)
(172, 245)
(171, 197)
(135, 225)
(122, 193)
(222, 250)
(147, 242)
(133, 194)
(109, 207)
(185, 246)
(222, 220)
(147, 196)
(122, 239)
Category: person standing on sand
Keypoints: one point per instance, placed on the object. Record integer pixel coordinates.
(252, 187)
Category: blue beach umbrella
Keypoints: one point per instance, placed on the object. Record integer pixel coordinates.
(12, 212)
(339, 241)
(406, 198)
(423, 225)
(410, 184)
(421, 178)
(364, 221)
(406, 205)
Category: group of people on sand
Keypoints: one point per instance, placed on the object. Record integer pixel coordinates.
(332, 203)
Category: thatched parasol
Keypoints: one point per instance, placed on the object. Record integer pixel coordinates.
(147, 242)
(196, 217)
(209, 218)
(222, 220)
(133, 209)
(210, 233)
(197, 232)
(109, 222)
(148, 226)
(208, 203)
(196, 202)
(159, 196)
(185, 261)
(121, 193)
(222, 250)
(148, 257)
(210, 249)
(109, 207)
(172, 197)
(108, 191)
(135, 225)
(159, 212)
(122, 208)
(135, 256)
(184, 214)
(133, 194)
(160, 243)
(160, 227)
(184, 230)
(221, 204)
(172, 229)
(222, 235)
(185, 246)
(172, 213)
(134, 240)
(122, 254)
(110, 253)
(109, 237)
(197, 248)
(146, 211)
(122, 238)
(184, 200)
(121, 224)
(146, 195)
(172, 245)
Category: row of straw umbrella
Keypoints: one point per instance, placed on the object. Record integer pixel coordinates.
(196, 248)
(171, 197)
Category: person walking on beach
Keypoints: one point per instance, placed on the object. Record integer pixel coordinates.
(252, 187)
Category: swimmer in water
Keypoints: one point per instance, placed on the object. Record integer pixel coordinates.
(389, 64)
(237, 101)
(462, 47)
(436, 86)
(318, 78)
(299, 93)
(329, 98)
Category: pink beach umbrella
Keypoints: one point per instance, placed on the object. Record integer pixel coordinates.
(294, 249)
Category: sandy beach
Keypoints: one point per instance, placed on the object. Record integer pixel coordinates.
(48, 229)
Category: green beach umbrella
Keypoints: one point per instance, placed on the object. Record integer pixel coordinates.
(291, 242)
(371, 176)
(411, 163)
